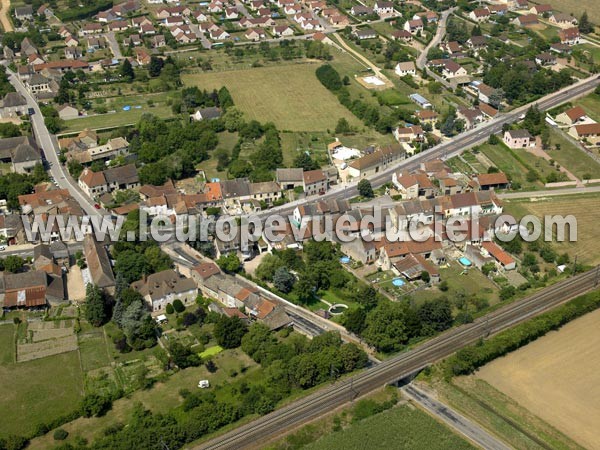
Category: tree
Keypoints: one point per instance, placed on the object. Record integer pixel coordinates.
(178, 306)
(170, 309)
(585, 26)
(354, 320)
(60, 434)
(304, 161)
(183, 356)
(229, 331)
(367, 297)
(343, 126)
(365, 189)
(435, 316)
(230, 263)
(189, 319)
(13, 263)
(385, 327)
(126, 70)
(155, 66)
(95, 405)
(283, 280)
(425, 277)
(95, 306)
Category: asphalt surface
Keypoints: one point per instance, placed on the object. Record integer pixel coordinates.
(455, 420)
(266, 428)
(439, 35)
(50, 148)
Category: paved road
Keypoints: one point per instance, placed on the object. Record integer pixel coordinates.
(550, 192)
(455, 420)
(448, 149)
(113, 44)
(262, 430)
(439, 35)
(50, 148)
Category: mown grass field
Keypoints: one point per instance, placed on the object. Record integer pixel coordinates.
(504, 160)
(116, 119)
(400, 427)
(555, 378)
(37, 391)
(290, 96)
(576, 8)
(585, 210)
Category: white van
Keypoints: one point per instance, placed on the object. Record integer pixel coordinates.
(203, 384)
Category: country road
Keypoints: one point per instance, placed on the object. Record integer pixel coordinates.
(49, 146)
(453, 419)
(439, 35)
(4, 18)
(260, 431)
(550, 192)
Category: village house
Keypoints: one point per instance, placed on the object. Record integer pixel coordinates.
(545, 59)
(405, 68)
(283, 30)
(361, 10)
(289, 178)
(267, 191)
(527, 20)
(427, 116)
(384, 9)
(24, 12)
(541, 9)
(162, 288)
(98, 264)
(414, 26)
(573, 116)
(411, 186)
(13, 105)
(588, 132)
(480, 15)
(569, 36)
(377, 161)
(360, 250)
(208, 113)
(563, 20)
(401, 35)
(315, 182)
(365, 33)
(471, 116)
(109, 180)
(255, 34)
(21, 152)
(518, 139)
(67, 112)
(409, 134)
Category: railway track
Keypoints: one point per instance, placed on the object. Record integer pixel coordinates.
(255, 433)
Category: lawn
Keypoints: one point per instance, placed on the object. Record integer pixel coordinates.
(505, 160)
(591, 105)
(470, 283)
(7, 347)
(92, 348)
(400, 427)
(290, 96)
(211, 351)
(36, 391)
(116, 119)
(572, 158)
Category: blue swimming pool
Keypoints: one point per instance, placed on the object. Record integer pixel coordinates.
(398, 282)
(465, 262)
(345, 260)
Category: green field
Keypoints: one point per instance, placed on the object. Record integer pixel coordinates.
(400, 427)
(572, 158)
(505, 160)
(115, 119)
(211, 351)
(38, 391)
(290, 96)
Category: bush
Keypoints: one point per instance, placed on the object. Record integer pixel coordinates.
(170, 309)
(178, 306)
(95, 405)
(60, 434)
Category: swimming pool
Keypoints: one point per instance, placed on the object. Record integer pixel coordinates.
(465, 262)
(398, 282)
(345, 260)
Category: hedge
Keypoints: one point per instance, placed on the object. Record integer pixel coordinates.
(470, 358)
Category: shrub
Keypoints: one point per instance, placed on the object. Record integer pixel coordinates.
(178, 306)
(170, 309)
(60, 434)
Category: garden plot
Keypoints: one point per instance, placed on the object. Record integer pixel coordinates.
(46, 339)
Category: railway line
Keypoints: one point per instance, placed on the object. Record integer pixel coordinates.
(260, 431)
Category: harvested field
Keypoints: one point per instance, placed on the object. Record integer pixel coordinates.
(290, 96)
(585, 210)
(556, 378)
(576, 8)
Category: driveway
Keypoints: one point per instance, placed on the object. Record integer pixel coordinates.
(114, 45)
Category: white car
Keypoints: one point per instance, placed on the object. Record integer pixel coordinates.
(2, 248)
(203, 384)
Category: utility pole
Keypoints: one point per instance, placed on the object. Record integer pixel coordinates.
(575, 265)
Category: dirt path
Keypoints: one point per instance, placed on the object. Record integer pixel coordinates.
(4, 19)
(376, 70)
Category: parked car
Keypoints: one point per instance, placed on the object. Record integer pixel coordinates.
(203, 384)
